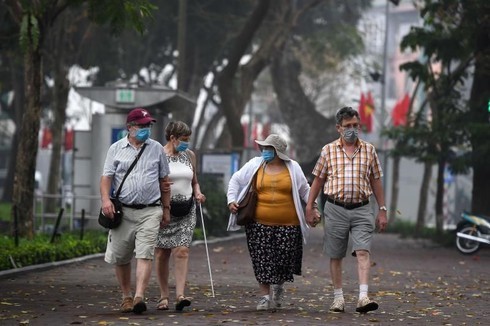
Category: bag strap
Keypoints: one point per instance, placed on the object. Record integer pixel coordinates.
(130, 169)
(253, 183)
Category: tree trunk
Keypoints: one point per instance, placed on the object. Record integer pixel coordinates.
(439, 205)
(17, 75)
(480, 118)
(28, 145)
(424, 194)
(60, 98)
(181, 45)
(298, 112)
(61, 89)
(394, 189)
(234, 94)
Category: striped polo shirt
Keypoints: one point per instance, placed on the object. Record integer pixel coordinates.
(347, 178)
(142, 186)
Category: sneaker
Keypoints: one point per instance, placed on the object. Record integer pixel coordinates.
(277, 295)
(365, 304)
(338, 305)
(263, 304)
(127, 304)
(139, 306)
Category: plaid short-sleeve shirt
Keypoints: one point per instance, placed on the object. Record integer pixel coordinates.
(347, 178)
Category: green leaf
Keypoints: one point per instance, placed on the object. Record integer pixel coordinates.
(29, 32)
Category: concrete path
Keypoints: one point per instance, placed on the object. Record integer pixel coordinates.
(414, 282)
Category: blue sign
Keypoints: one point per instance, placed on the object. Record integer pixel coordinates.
(118, 133)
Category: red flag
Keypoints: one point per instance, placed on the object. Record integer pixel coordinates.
(400, 111)
(47, 138)
(366, 112)
(68, 139)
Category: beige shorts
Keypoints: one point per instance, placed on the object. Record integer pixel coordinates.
(137, 234)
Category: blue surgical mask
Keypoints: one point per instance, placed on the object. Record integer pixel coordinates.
(268, 155)
(183, 145)
(142, 134)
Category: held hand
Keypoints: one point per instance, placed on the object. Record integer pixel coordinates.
(233, 207)
(200, 198)
(108, 208)
(381, 221)
(165, 218)
(166, 186)
(312, 216)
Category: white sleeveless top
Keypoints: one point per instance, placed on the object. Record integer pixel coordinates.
(181, 174)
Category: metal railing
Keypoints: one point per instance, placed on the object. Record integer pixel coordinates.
(72, 205)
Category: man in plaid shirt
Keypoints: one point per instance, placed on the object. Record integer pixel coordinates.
(349, 171)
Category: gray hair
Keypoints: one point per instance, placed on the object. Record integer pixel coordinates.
(177, 129)
(345, 113)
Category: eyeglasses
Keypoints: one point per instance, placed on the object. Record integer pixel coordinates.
(351, 125)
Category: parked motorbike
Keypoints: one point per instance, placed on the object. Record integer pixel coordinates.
(472, 232)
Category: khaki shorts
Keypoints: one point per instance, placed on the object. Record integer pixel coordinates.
(137, 234)
(339, 222)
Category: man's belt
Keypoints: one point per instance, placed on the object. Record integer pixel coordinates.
(347, 205)
(141, 206)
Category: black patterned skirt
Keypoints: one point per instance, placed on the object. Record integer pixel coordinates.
(276, 252)
(179, 232)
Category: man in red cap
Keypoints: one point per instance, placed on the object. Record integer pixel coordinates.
(145, 196)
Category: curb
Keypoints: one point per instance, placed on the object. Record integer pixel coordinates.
(15, 271)
(10, 272)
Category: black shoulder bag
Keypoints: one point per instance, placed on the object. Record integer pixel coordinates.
(116, 221)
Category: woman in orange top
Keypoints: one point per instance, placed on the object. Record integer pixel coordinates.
(275, 239)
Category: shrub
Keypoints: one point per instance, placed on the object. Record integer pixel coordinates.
(40, 250)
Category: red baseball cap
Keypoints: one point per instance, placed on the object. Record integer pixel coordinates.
(139, 116)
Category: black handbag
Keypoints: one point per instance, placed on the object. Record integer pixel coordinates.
(179, 209)
(107, 222)
(246, 208)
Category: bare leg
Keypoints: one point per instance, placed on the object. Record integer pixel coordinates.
(336, 272)
(162, 259)
(264, 289)
(363, 265)
(123, 274)
(181, 259)
(143, 273)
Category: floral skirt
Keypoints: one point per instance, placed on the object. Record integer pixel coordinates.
(276, 252)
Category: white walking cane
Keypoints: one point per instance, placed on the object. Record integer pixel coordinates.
(207, 252)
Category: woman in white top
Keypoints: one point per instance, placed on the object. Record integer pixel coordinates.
(176, 238)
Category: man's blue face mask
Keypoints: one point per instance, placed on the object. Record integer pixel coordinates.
(143, 134)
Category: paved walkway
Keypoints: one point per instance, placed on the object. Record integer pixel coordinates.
(414, 282)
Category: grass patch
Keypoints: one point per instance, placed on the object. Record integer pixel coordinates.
(406, 229)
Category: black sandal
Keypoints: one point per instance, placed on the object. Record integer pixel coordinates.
(182, 302)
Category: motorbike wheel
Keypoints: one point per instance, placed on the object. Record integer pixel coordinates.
(467, 246)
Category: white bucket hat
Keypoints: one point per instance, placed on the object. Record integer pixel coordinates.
(278, 143)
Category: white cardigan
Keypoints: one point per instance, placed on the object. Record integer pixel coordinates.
(241, 179)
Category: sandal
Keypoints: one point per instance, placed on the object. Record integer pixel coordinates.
(182, 302)
(162, 304)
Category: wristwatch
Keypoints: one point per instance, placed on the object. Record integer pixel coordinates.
(383, 208)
